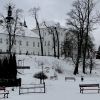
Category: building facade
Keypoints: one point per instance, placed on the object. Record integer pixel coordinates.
(29, 41)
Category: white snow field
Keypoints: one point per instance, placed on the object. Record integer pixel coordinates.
(55, 89)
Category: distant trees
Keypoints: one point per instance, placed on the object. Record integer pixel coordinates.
(81, 23)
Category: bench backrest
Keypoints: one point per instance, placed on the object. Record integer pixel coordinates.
(69, 78)
(51, 77)
(2, 88)
(88, 85)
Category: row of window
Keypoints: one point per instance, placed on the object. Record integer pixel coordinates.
(58, 33)
(20, 52)
(20, 42)
(27, 43)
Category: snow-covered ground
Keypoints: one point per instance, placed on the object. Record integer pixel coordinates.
(55, 89)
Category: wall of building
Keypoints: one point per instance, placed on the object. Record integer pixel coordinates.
(32, 48)
(48, 49)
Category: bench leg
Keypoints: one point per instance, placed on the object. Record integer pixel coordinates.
(4, 95)
(80, 90)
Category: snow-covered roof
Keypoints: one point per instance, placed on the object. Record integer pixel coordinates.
(23, 31)
(50, 24)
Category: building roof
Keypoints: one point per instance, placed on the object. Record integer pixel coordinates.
(50, 24)
(23, 31)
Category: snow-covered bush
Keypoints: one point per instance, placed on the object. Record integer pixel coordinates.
(58, 68)
(40, 76)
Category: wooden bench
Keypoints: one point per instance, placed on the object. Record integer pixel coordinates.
(88, 85)
(53, 77)
(70, 78)
(6, 92)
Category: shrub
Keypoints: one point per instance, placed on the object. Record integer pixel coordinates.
(40, 76)
(59, 70)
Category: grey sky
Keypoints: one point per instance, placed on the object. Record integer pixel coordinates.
(50, 10)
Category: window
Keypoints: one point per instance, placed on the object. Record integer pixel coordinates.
(0, 40)
(6, 50)
(20, 42)
(15, 42)
(61, 43)
(20, 52)
(38, 44)
(6, 41)
(38, 53)
(48, 43)
(33, 52)
(33, 44)
(14, 51)
(26, 52)
(45, 33)
(26, 43)
(48, 53)
(45, 43)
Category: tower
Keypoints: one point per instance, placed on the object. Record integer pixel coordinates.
(25, 23)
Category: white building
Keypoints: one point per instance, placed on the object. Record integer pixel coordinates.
(29, 42)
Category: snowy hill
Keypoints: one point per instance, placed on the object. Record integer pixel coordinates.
(55, 89)
(35, 66)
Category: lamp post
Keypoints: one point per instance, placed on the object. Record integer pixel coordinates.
(9, 18)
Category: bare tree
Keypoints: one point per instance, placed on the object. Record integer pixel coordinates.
(12, 27)
(57, 35)
(51, 31)
(33, 12)
(79, 21)
(90, 21)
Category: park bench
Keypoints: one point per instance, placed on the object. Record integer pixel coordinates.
(32, 88)
(53, 77)
(88, 85)
(70, 78)
(5, 92)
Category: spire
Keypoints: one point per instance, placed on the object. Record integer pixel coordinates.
(25, 23)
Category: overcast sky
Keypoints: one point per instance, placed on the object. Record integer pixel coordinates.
(49, 10)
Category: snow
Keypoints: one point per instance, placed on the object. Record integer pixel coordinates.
(55, 89)
(23, 31)
(50, 24)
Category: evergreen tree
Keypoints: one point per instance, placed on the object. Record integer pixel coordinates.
(1, 69)
(14, 67)
(10, 70)
(5, 68)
